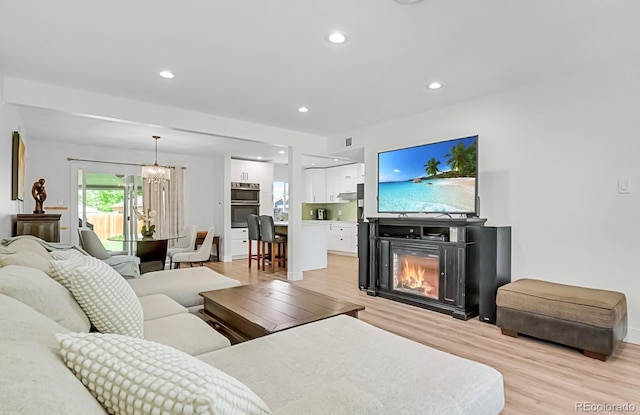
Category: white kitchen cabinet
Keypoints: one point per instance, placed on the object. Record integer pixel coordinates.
(255, 172)
(341, 237)
(237, 171)
(315, 186)
(346, 178)
(252, 172)
(324, 185)
(350, 171)
(348, 185)
(240, 242)
(333, 184)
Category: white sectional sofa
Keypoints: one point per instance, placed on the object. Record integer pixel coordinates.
(335, 366)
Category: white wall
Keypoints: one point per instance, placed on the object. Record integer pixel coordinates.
(9, 122)
(281, 172)
(49, 160)
(550, 156)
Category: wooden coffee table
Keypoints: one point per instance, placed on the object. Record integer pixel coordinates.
(255, 310)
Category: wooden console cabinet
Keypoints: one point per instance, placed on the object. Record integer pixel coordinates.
(44, 226)
(454, 245)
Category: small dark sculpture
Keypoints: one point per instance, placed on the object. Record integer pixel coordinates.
(39, 193)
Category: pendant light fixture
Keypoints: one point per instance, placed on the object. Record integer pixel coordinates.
(154, 172)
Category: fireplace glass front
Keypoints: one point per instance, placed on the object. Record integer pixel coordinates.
(417, 272)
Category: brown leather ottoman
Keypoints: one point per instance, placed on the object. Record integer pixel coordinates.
(585, 318)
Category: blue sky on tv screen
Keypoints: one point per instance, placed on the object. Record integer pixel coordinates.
(408, 163)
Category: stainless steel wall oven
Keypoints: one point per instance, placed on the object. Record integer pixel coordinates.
(245, 200)
(245, 193)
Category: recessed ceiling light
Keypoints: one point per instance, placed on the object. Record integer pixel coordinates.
(259, 157)
(337, 38)
(335, 159)
(407, 1)
(313, 164)
(434, 85)
(303, 109)
(166, 74)
(281, 152)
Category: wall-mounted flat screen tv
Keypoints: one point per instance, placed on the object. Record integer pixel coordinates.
(437, 177)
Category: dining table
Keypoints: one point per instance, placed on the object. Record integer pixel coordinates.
(151, 251)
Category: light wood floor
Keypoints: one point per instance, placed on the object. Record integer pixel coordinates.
(539, 377)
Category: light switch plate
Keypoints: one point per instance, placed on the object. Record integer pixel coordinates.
(624, 186)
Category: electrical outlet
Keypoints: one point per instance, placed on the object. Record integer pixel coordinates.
(339, 212)
(311, 212)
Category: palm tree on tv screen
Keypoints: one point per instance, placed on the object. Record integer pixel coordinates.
(431, 168)
(462, 159)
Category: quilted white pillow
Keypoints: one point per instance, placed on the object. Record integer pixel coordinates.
(66, 254)
(107, 299)
(129, 375)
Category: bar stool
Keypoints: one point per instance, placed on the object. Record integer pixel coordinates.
(277, 244)
(253, 222)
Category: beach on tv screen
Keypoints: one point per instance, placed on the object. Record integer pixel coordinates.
(431, 178)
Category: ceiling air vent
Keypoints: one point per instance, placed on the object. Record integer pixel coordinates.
(347, 141)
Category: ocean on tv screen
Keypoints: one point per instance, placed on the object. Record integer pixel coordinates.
(431, 195)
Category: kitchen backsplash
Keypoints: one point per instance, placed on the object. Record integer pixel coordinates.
(336, 211)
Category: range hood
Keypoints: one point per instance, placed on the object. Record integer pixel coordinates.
(348, 196)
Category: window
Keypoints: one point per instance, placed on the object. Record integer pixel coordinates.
(280, 200)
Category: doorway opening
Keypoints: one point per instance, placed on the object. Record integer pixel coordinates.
(107, 203)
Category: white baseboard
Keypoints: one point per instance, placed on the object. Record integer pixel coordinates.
(343, 253)
(633, 335)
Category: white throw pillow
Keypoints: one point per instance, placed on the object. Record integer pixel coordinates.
(27, 259)
(28, 243)
(37, 290)
(108, 300)
(129, 375)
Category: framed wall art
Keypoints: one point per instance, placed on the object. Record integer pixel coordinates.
(18, 167)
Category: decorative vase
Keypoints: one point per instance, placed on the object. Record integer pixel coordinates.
(147, 233)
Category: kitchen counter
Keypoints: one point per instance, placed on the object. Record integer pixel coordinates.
(314, 241)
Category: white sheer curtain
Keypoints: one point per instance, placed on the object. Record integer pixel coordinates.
(167, 199)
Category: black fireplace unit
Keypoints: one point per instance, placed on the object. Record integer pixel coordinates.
(430, 263)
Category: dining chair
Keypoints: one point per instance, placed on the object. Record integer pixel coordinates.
(125, 265)
(202, 254)
(276, 244)
(90, 242)
(184, 244)
(253, 223)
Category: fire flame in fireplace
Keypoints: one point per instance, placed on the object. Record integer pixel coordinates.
(418, 277)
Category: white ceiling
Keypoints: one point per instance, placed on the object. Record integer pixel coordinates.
(260, 60)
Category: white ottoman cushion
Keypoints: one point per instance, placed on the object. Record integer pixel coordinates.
(158, 306)
(183, 285)
(185, 332)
